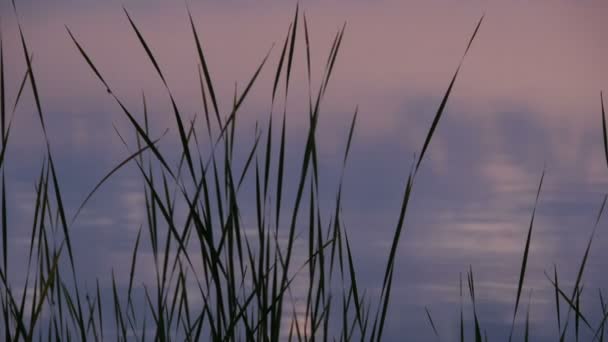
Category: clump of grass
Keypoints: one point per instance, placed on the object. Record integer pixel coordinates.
(244, 281)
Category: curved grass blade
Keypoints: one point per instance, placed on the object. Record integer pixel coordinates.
(108, 175)
(445, 98)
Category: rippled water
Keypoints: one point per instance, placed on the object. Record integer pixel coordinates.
(508, 119)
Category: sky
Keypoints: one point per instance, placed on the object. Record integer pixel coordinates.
(527, 98)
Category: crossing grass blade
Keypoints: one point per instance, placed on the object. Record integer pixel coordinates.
(132, 269)
(43, 295)
(353, 283)
(471, 283)
(557, 306)
(291, 49)
(572, 306)
(281, 161)
(178, 119)
(142, 133)
(21, 87)
(574, 296)
(277, 75)
(28, 62)
(581, 268)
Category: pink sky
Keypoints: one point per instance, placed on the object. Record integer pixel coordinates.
(547, 58)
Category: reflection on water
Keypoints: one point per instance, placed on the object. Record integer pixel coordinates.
(472, 200)
(457, 220)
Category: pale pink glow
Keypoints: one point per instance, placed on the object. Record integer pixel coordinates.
(545, 57)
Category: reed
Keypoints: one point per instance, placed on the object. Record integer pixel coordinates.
(244, 281)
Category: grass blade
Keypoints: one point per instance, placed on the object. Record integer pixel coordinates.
(142, 133)
(557, 306)
(524, 262)
(445, 99)
(605, 135)
(32, 79)
(428, 315)
(206, 72)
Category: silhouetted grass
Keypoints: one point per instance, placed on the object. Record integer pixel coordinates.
(244, 281)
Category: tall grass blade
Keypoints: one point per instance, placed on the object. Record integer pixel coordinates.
(2, 90)
(574, 296)
(445, 99)
(578, 307)
(145, 46)
(282, 143)
(43, 295)
(308, 69)
(524, 262)
(604, 310)
(291, 49)
(206, 72)
(527, 327)
(605, 135)
(557, 306)
(32, 79)
(277, 74)
(461, 312)
(471, 282)
(4, 228)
